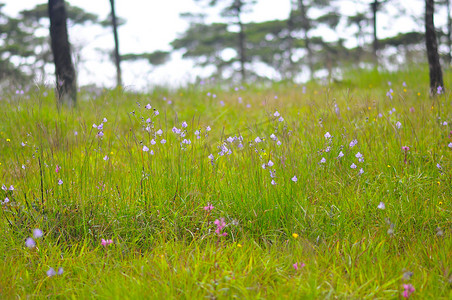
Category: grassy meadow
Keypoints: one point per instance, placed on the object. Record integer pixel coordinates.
(338, 191)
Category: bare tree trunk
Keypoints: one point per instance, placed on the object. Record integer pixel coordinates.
(306, 27)
(115, 34)
(242, 53)
(66, 87)
(436, 76)
(449, 34)
(290, 46)
(375, 5)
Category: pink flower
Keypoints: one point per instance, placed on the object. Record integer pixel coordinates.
(57, 169)
(298, 265)
(220, 225)
(405, 148)
(408, 290)
(209, 207)
(105, 243)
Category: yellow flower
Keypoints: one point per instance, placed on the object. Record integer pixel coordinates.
(440, 203)
(369, 108)
(111, 153)
(439, 183)
(418, 94)
(239, 246)
(8, 140)
(294, 235)
(389, 166)
(404, 90)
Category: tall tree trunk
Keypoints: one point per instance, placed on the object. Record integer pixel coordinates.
(436, 75)
(290, 45)
(375, 7)
(306, 27)
(115, 34)
(66, 87)
(242, 38)
(449, 34)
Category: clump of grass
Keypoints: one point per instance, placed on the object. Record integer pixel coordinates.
(315, 191)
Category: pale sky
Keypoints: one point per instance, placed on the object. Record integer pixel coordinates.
(152, 25)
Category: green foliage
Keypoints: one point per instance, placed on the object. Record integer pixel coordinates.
(152, 205)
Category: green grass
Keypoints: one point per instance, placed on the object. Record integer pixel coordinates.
(151, 206)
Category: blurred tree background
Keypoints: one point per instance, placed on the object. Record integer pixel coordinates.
(238, 51)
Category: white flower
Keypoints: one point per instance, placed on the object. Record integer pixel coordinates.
(381, 206)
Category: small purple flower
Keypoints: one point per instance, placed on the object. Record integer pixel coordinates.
(106, 157)
(159, 132)
(148, 106)
(163, 141)
(37, 233)
(450, 145)
(258, 140)
(381, 206)
(156, 112)
(145, 149)
(104, 120)
(294, 179)
(398, 125)
(60, 182)
(361, 171)
(270, 163)
(439, 90)
(353, 143)
(273, 182)
(323, 160)
(184, 124)
(353, 166)
(30, 243)
(276, 114)
(327, 135)
(341, 154)
(60, 271)
(438, 166)
(51, 272)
